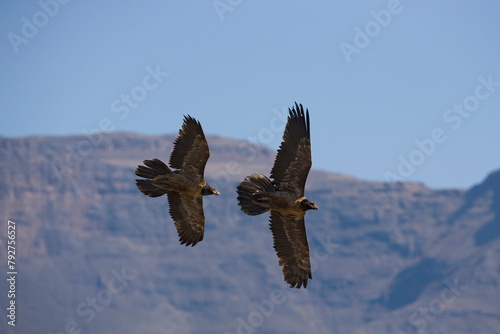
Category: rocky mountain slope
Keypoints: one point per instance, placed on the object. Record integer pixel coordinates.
(94, 255)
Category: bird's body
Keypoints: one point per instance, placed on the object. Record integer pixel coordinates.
(284, 198)
(185, 187)
(187, 183)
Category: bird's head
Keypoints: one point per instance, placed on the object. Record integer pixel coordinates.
(209, 190)
(308, 205)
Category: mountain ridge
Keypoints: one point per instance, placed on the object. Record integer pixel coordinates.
(382, 253)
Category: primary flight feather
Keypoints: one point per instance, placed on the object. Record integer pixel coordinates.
(185, 186)
(284, 198)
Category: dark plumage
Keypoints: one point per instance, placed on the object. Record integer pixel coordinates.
(185, 187)
(284, 198)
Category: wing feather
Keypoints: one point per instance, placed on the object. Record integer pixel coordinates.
(191, 150)
(290, 243)
(187, 213)
(293, 160)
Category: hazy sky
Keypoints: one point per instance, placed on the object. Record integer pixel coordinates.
(404, 89)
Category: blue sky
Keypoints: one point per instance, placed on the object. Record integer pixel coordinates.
(405, 90)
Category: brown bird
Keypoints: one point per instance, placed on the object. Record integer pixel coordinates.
(284, 198)
(185, 187)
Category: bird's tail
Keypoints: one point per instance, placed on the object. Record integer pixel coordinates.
(152, 169)
(249, 192)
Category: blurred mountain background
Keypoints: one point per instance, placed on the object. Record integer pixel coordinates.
(94, 255)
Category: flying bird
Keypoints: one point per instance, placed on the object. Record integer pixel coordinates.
(284, 198)
(185, 186)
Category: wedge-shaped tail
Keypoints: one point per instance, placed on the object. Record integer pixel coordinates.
(250, 193)
(152, 169)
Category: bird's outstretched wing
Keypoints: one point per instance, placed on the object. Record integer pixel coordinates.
(191, 150)
(293, 161)
(290, 243)
(187, 213)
